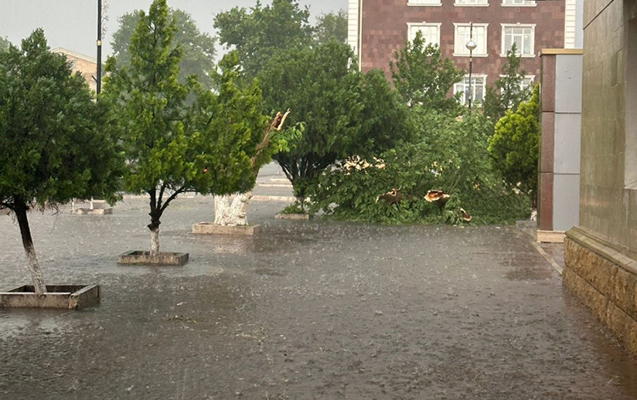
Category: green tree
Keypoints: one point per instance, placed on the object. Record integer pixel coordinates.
(4, 44)
(332, 26)
(258, 33)
(52, 142)
(322, 86)
(344, 112)
(198, 48)
(385, 121)
(173, 145)
(422, 76)
(507, 92)
(514, 146)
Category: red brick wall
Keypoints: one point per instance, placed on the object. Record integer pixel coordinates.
(384, 30)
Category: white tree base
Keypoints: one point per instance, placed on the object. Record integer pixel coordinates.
(232, 214)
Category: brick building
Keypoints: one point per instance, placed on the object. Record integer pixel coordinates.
(377, 28)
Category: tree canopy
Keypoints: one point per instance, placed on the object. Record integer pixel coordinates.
(514, 146)
(344, 112)
(173, 145)
(322, 86)
(422, 76)
(507, 92)
(198, 49)
(332, 26)
(260, 32)
(54, 145)
(4, 44)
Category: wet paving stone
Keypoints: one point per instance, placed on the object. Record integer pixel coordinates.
(303, 310)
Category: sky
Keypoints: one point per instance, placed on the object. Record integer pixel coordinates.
(72, 24)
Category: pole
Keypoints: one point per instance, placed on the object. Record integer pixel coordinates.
(99, 46)
(470, 68)
(470, 63)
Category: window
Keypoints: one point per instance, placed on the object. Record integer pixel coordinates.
(519, 3)
(463, 33)
(424, 3)
(478, 84)
(522, 35)
(528, 81)
(430, 32)
(475, 3)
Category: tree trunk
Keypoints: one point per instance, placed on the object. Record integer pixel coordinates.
(27, 241)
(154, 241)
(234, 214)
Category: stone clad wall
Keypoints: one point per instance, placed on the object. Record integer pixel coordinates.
(605, 280)
(600, 254)
(608, 208)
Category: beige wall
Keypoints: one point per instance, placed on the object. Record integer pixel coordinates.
(80, 63)
(608, 208)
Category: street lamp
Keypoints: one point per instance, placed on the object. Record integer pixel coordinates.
(99, 47)
(471, 46)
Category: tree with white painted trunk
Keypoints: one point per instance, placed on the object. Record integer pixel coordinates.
(180, 137)
(53, 143)
(233, 212)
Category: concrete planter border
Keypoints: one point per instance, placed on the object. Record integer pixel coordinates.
(293, 217)
(95, 211)
(209, 228)
(136, 257)
(57, 296)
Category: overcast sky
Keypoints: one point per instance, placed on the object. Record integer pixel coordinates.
(72, 24)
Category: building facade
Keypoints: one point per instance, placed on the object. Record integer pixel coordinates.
(601, 252)
(85, 65)
(378, 28)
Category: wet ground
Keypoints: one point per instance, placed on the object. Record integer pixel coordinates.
(305, 310)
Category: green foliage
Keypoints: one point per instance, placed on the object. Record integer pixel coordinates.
(332, 26)
(260, 32)
(507, 92)
(294, 208)
(173, 145)
(422, 76)
(322, 87)
(198, 48)
(54, 144)
(385, 120)
(514, 146)
(344, 113)
(450, 154)
(4, 44)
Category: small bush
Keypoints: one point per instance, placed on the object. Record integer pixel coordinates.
(293, 208)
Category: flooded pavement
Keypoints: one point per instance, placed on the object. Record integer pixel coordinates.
(305, 310)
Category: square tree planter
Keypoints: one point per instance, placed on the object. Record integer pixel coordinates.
(57, 296)
(143, 258)
(95, 211)
(209, 228)
(100, 207)
(293, 217)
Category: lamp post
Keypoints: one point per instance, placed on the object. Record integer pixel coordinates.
(99, 47)
(471, 46)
